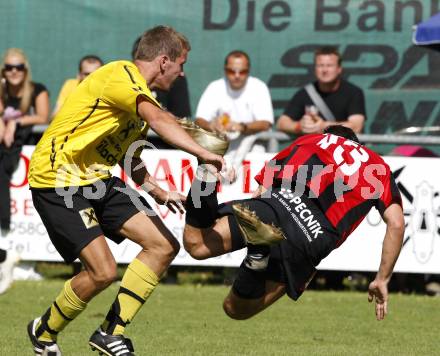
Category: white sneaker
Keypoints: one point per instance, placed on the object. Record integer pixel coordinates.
(26, 272)
(41, 348)
(6, 270)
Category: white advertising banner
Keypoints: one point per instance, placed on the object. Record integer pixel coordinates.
(175, 169)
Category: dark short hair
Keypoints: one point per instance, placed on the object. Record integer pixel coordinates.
(342, 131)
(135, 46)
(89, 58)
(237, 53)
(161, 40)
(326, 50)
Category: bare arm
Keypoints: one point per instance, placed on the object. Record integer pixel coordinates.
(204, 124)
(259, 191)
(165, 125)
(355, 122)
(2, 130)
(288, 125)
(392, 243)
(41, 111)
(2, 123)
(138, 172)
(252, 127)
(318, 125)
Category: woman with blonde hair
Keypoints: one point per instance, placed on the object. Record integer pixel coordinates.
(23, 103)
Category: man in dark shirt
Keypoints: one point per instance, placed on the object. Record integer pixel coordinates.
(345, 100)
(312, 196)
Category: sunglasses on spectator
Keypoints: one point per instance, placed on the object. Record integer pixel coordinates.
(231, 71)
(19, 67)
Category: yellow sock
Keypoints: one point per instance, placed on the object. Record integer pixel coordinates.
(137, 284)
(66, 307)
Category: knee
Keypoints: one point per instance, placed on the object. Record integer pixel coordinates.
(166, 249)
(194, 245)
(235, 313)
(195, 249)
(105, 276)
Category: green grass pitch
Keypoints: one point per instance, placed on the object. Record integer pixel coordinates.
(189, 320)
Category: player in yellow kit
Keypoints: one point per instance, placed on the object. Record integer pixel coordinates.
(79, 201)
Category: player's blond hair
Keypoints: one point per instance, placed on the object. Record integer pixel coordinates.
(161, 40)
(28, 87)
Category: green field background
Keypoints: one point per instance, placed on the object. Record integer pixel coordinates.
(401, 82)
(189, 320)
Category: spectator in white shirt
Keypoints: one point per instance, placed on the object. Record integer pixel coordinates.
(238, 104)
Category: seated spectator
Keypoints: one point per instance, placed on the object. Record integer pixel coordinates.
(88, 64)
(330, 100)
(23, 103)
(237, 104)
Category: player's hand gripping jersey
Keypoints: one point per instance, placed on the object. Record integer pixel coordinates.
(93, 129)
(326, 185)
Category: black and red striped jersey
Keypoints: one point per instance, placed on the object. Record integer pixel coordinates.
(342, 178)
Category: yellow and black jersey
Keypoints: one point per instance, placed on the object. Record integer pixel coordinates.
(93, 129)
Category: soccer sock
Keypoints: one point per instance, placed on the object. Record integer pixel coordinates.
(257, 257)
(137, 284)
(249, 283)
(2, 255)
(202, 204)
(66, 307)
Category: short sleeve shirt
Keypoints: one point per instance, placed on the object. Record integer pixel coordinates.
(343, 178)
(93, 130)
(249, 104)
(346, 101)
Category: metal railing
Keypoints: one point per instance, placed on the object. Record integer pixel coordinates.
(273, 138)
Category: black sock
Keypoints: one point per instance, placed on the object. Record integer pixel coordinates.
(258, 249)
(201, 203)
(249, 284)
(2, 255)
(257, 257)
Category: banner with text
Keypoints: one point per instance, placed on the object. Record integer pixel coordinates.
(175, 170)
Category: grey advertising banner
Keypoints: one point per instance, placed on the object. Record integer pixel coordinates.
(400, 81)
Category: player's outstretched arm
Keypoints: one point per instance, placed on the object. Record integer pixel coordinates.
(165, 125)
(138, 172)
(392, 243)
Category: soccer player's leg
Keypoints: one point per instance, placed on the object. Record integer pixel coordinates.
(258, 282)
(263, 278)
(127, 215)
(99, 273)
(205, 234)
(249, 301)
(159, 248)
(208, 227)
(74, 235)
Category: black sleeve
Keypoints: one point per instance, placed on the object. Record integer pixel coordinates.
(38, 89)
(296, 105)
(357, 103)
(178, 98)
